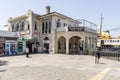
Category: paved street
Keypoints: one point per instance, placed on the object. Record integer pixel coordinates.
(58, 67)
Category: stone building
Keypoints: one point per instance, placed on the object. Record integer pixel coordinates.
(55, 32)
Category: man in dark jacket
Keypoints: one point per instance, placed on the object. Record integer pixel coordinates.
(97, 56)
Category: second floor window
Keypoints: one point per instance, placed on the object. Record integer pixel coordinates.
(64, 24)
(23, 25)
(35, 26)
(12, 27)
(58, 23)
(49, 26)
(28, 27)
(43, 27)
(46, 27)
(17, 27)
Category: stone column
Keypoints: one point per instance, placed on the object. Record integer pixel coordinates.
(53, 36)
(67, 46)
(44, 27)
(31, 23)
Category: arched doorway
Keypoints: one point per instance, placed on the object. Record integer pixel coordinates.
(46, 45)
(62, 45)
(75, 44)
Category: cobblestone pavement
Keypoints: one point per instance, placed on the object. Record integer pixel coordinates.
(58, 67)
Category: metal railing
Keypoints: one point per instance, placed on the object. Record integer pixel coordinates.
(111, 55)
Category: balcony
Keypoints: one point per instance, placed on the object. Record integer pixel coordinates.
(76, 29)
(62, 29)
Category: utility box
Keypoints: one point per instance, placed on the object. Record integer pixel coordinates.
(21, 47)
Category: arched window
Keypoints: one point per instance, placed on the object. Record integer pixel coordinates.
(64, 24)
(49, 26)
(43, 27)
(58, 23)
(23, 26)
(46, 28)
(17, 27)
(35, 26)
(13, 28)
(28, 27)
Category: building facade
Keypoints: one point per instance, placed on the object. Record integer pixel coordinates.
(8, 41)
(55, 33)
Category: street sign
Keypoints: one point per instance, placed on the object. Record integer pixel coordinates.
(23, 39)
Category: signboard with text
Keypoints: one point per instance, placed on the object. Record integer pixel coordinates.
(75, 28)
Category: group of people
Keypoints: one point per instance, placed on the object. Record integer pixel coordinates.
(97, 54)
(27, 51)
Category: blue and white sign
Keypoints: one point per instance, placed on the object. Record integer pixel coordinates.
(9, 34)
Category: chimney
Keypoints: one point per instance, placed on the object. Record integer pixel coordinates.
(47, 9)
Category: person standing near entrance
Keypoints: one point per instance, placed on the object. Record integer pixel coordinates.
(27, 52)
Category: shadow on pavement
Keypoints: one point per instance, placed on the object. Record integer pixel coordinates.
(3, 63)
(28, 57)
(2, 70)
(103, 63)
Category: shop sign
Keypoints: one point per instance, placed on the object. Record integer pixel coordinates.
(75, 28)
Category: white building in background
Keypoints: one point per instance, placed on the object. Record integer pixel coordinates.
(55, 32)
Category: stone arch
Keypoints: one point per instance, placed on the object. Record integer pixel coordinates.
(61, 44)
(75, 45)
(75, 34)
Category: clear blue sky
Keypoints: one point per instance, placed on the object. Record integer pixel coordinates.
(77, 9)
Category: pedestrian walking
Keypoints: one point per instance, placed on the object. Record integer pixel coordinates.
(27, 52)
(97, 56)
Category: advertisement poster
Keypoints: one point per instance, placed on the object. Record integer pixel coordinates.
(11, 48)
